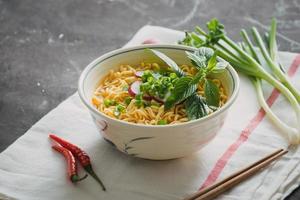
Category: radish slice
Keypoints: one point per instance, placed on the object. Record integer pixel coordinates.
(150, 41)
(139, 74)
(162, 101)
(134, 88)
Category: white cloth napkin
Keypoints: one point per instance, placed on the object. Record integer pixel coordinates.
(30, 169)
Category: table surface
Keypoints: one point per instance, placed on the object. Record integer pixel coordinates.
(44, 45)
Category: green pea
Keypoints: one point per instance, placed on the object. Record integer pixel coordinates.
(145, 87)
(139, 103)
(108, 102)
(162, 122)
(173, 75)
(118, 110)
(150, 79)
(127, 100)
(139, 96)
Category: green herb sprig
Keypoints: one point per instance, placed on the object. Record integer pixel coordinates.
(246, 58)
(185, 87)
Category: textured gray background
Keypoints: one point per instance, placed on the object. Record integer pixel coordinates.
(44, 45)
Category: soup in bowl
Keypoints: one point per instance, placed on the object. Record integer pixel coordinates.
(158, 101)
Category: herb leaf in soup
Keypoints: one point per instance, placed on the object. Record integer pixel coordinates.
(197, 61)
(183, 88)
(204, 52)
(195, 107)
(169, 62)
(219, 68)
(212, 93)
(212, 62)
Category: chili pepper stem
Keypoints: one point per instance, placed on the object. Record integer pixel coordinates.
(81, 155)
(90, 170)
(76, 178)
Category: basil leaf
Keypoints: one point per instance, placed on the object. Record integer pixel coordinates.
(211, 92)
(183, 88)
(169, 62)
(195, 107)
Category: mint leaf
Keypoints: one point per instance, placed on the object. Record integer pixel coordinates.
(195, 107)
(205, 51)
(211, 92)
(212, 62)
(170, 102)
(201, 74)
(183, 88)
(169, 62)
(201, 57)
(198, 61)
(220, 67)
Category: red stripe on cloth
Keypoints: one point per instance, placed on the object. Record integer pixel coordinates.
(223, 160)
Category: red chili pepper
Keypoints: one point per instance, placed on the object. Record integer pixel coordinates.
(81, 155)
(71, 163)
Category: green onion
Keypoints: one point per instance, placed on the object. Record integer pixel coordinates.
(108, 102)
(272, 54)
(162, 122)
(292, 133)
(139, 100)
(118, 110)
(155, 84)
(127, 100)
(245, 59)
(173, 76)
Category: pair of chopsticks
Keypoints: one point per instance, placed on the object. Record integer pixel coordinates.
(232, 180)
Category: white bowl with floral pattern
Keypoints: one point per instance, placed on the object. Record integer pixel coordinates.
(158, 142)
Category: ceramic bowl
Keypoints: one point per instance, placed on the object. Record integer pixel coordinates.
(153, 141)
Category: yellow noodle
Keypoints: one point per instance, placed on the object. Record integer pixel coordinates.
(111, 87)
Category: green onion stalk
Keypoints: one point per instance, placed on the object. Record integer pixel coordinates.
(244, 58)
(271, 58)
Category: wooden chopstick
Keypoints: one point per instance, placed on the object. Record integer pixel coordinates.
(205, 190)
(225, 184)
